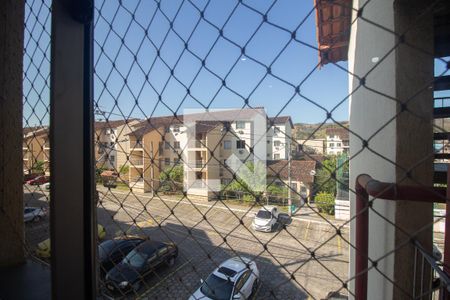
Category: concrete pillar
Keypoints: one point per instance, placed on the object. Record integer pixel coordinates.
(414, 137)
(395, 142)
(11, 171)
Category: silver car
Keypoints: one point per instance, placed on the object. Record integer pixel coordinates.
(236, 278)
(34, 214)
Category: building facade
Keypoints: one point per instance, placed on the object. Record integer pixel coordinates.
(36, 150)
(337, 141)
(202, 143)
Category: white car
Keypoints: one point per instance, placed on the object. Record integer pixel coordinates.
(266, 219)
(231, 280)
(33, 213)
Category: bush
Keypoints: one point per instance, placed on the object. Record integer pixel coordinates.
(325, 203)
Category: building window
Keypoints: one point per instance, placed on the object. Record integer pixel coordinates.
(227, 144)
(276, 156)
(277, 143)
(160, 147)
(111, 158)
(166, 145)
(176, 129)
(338, 145)
(276, 130)
(240, 144)
(176, 145)
(331, 145)
(294, 186)
(240, 125)
(303, 189)
(167, 161)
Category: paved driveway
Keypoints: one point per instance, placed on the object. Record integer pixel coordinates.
(208, 234)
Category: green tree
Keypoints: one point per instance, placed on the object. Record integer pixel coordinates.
(172, 179)
(38, 167)
(251, 182)
(325, 180)
(325, 177)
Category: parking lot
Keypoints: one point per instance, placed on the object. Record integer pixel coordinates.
(207, 233)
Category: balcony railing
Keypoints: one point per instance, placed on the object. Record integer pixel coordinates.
(366, 186)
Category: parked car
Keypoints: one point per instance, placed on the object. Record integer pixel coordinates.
(31, 176)
(39, 180)
(111, 252)
(43, 249)
(34, 214)
(236, 278)
(138, 264)
(266, 219)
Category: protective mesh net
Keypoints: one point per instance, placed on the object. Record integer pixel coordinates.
(36, 115)
(166, 185)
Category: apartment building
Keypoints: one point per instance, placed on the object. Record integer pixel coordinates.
(279, 138)
(36, 149)
(111, 144)
(337, 141)
(156, 144)
(202, 142)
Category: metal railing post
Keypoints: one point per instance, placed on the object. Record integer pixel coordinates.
(362, 241)
(73, 225)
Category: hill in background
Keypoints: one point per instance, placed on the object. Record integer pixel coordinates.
(303, 131)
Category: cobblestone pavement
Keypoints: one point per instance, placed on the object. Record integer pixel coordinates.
(205, 242)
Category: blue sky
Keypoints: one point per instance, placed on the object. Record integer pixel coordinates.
(122, 41)
(224, 59)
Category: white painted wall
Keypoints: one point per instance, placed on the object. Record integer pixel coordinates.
(334, 145)
(368, 113)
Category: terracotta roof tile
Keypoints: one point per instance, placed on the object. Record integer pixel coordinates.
(300, 169)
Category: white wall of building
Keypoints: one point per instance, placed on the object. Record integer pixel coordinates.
(368, 42)
(334, 145)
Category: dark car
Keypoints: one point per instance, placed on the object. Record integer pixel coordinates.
(111, 252)
(138, 264)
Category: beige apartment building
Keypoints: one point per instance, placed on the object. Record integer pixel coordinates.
(203, 145)
(36, 149)
(111, 144)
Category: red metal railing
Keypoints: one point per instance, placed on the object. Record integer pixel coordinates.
(367, 186)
